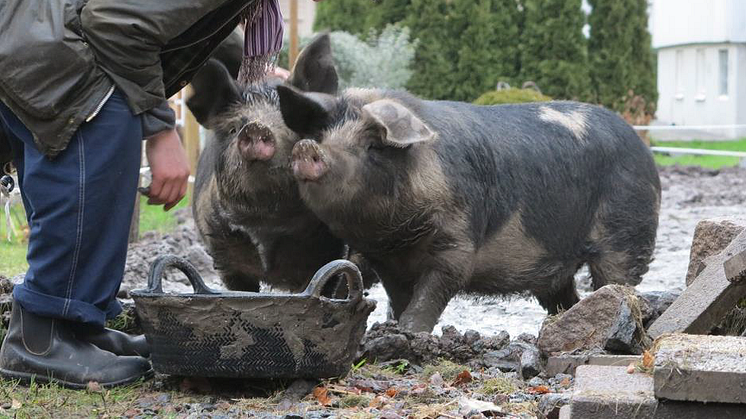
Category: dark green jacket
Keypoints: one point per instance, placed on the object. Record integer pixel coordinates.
(61, 59)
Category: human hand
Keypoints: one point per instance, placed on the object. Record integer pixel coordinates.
(169, 167)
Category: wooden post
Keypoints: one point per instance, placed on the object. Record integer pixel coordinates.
(191, 140)
(293, 53)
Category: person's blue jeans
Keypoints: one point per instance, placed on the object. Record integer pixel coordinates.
(79, 208)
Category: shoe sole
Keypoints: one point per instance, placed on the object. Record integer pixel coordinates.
(27, 378)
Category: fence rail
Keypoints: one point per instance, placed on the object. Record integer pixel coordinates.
(686, 127)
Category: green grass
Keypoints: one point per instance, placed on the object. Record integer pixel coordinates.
(712, 162)
(13, 253)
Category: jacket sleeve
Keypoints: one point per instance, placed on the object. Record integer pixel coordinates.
(127, 38)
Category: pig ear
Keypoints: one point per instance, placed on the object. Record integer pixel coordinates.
(303, 113)
(402, 128)
(214, 93)
(314, 69)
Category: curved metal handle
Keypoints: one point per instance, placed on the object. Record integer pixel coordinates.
(330, 270)
(160, 265)
(7, 182)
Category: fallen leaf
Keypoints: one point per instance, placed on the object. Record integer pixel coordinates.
(467, 405)
(539, 390)
(93, 387)
(322, 395)
(392, 392)
(376, 402)
(648, 360)
(565, 382)
(15, 404)
(464, 377)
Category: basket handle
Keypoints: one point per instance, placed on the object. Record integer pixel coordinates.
(330, 270)
(159, 266)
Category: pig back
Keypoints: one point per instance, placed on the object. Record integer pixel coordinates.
(554, 161)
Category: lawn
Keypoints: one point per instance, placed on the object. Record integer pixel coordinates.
(13, 253)
(713, 162)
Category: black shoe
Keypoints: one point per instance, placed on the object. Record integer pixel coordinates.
(46, 350)
(116, 342)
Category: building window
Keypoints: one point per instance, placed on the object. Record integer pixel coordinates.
(678, 74)
(700, 68)
(723, 55)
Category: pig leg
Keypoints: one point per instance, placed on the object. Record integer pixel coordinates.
(434, 290)
(559, 299)
(400, 294)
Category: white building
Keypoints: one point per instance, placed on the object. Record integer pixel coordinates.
(306, 14)
(701, 47)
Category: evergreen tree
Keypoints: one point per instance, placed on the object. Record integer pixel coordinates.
(644, 59)
(345, 15)
(386, 12)
(553, 50)
(488, 49)
(610, 51)
(620, 53)
(436, 58)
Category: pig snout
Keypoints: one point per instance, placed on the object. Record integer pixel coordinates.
(308, 161)
(256, 142)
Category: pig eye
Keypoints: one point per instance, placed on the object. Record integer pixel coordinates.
(375, 145)
(234, 130)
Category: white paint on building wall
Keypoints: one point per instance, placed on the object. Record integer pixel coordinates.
(701, 47)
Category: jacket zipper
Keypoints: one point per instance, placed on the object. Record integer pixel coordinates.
(100, 105)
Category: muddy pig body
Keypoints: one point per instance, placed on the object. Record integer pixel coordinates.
(448, 197)
(246, 203)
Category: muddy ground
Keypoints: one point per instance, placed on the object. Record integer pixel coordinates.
(689, 195)
(453, 374)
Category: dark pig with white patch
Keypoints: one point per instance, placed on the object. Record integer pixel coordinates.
(447, 197)
(246, 202)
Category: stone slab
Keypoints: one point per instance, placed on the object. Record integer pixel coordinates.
(735, 268)
(567, 364)
(705, 302)
(700, 368)
(609, 319)
(565, 412)
(611, 393)
(711, 236)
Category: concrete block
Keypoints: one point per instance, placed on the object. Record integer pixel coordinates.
(566, 364)
(707, 300)
(711, 236)
(700, 368)
(565, 412)
(611, 393)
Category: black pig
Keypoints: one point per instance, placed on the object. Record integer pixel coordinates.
(447, 197)
(246, 203)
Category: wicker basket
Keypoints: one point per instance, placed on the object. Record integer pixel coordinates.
(253, 335)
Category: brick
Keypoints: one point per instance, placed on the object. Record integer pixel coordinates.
(700, 368)
(611, 393)
(566, 364)
(711, 236)
(705, 302)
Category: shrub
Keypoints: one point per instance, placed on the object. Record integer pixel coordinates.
(382, 61)
(512, 95)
